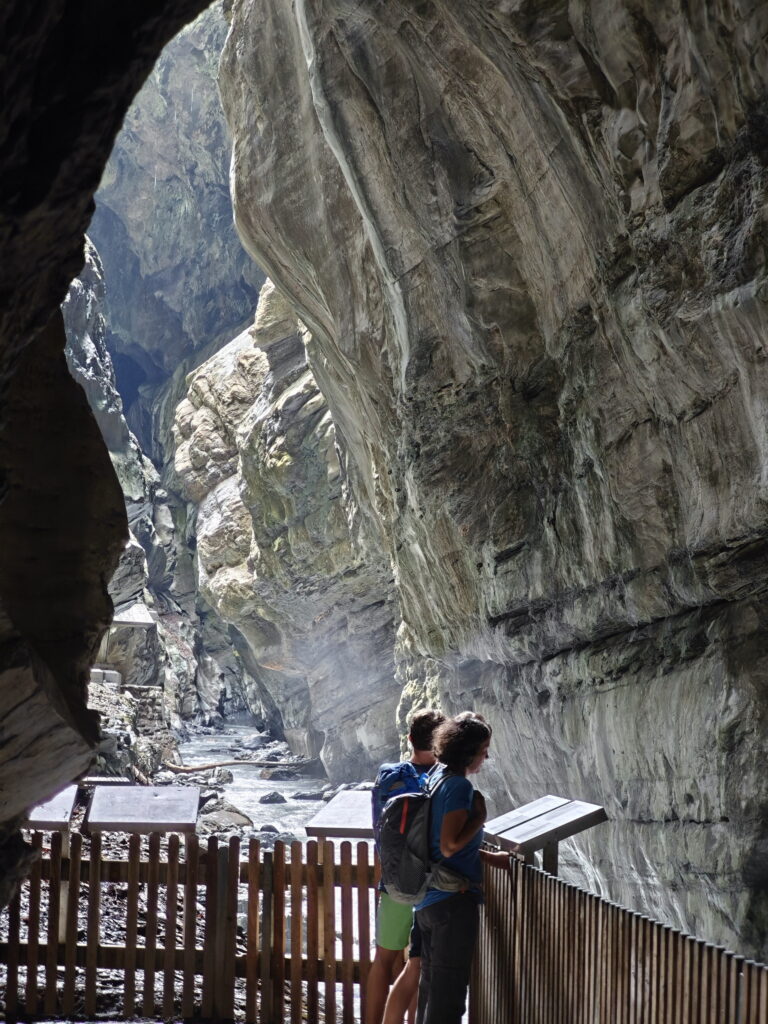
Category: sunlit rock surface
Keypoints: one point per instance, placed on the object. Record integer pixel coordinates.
(527, 240)
(280, 550)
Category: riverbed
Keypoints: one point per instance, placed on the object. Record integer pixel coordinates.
(246, 787)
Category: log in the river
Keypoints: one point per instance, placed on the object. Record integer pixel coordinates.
(184, 770)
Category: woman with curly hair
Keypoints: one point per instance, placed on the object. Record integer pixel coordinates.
(448, 914)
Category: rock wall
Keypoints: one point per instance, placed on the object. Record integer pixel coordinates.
(62, 519)
(281, 554)
(180, 283)
(528, 241)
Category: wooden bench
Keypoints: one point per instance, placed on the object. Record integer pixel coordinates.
(542, 825)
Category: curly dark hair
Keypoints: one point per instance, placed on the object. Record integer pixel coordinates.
(422, 726)
(457, 742)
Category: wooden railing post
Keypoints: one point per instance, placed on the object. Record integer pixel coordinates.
(267, 873)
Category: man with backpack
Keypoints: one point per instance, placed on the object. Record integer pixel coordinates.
(394, 920)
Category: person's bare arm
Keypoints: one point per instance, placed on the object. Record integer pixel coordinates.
(460, 826)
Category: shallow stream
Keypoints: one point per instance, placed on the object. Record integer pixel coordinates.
(246, 788)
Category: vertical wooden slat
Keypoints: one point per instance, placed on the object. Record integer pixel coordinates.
(671, 980)
(544, 946)
(623, 925)
(278, 972)
(210, 937)
(347, 951)
(696, 980)
(557, 973)
(541, 954)
(702, 981)
(749, 999)
(228, 866)
(722, 959)
(33, 927)
(579, 979)
(533, 1002)
(12, 965)
(522, 940)
(329, 932)
(591, 967)
(131, 927)
(363, 922)
(709, 973)
(542, 958)
(266, 1015)
(171, 911)
(297, 926)
(517, 962)
(631, 963)
(682, 1002)
(763, 997)
(150, 938)
(93, 927)
(663, 955)
(732, 990)
(70, 927)
(52, 946)
(547, 992)
(191, 859)
(313, 951)
(551, 983)
(230, 934)
(649, 972)
(612, 956)
(605, 961)
(656, 935)
(252, 937)
(641, 986)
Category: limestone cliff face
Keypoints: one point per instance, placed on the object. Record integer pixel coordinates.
(179, 280)
(527, 240)
(280, 550)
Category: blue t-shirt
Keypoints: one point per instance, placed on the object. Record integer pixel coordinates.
(455, 794)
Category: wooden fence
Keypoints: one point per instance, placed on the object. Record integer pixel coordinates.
(227, 933)
(551, 953)
(221, 934)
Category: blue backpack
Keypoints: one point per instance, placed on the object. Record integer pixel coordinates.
(393, 780)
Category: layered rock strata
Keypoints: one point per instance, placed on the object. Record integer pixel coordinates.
(281, 553)
(527, 242)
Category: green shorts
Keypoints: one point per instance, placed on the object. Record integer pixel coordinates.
(393, 923)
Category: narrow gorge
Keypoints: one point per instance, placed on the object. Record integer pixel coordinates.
(473, 413)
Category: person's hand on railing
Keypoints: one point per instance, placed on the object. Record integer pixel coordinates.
(496, 858)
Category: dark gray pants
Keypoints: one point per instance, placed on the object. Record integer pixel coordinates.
(448, 937)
